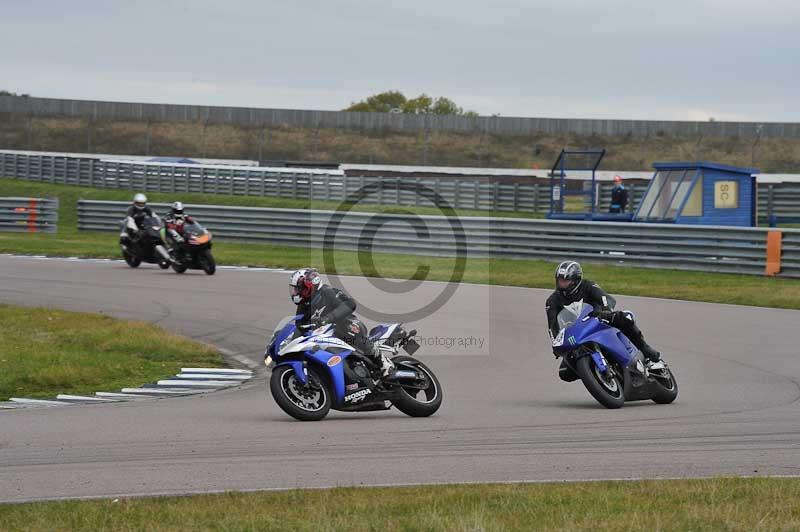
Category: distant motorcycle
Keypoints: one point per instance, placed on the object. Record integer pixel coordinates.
(192, 250)
(609, 365)
(144, 244)
(315, 371)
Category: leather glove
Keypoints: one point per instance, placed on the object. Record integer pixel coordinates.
(605, 315)
(319, 322)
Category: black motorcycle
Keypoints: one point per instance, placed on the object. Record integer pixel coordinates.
(144, 244)
(192, 250)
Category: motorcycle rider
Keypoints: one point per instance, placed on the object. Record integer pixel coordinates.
(139, 209)
(572, 287)
(321, 304)
(138, 212)
(176, 220)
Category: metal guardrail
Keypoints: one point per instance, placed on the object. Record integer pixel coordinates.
(706, 248)
(778, 201)
(275, 182)
(29, 215)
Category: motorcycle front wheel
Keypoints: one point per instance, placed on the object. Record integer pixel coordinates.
(132, 261)
(208, 263)
(306, 402)
(605, 387)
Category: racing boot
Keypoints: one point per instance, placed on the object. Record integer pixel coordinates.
(381, 360)
(647, 350)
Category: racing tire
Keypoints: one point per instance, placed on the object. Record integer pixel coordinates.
(132, 261)
(178, 267)
(607, 391)
(413, 405)
(302, 402)
(163, 265)
(667, 387)
(208, 263)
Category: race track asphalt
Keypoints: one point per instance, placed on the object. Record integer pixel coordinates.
(505, 417)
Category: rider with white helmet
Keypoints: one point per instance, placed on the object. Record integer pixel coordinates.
(139, 209)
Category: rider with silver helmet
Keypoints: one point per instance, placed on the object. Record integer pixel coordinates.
(176, 220)
(139, 209)
(572, 287)
(321, 304)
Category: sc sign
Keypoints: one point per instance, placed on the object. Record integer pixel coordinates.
(726, 195)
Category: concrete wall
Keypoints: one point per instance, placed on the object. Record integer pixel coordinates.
(349, 120)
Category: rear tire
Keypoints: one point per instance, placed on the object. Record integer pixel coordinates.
(667, 387)
(428, 404)
(208, 263)
(305, 402)
(607, 390)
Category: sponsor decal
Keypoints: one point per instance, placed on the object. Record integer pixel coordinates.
(317, 314)
(357, 396)
(335, 359)
(350, 387)
(571, 340)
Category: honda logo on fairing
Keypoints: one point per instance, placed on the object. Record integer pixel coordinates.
(357, 396)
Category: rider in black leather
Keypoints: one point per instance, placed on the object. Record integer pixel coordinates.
(572, 287)
(321, 304)
(139, 209)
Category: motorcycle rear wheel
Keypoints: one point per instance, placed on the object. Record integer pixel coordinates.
(305, 402)
(420, 403)
(607, 389)
(667, 387)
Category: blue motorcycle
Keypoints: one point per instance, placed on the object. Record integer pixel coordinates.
(313, 371)
(610, 366)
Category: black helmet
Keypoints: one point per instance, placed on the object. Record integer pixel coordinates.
(177, 209)
(569, 275)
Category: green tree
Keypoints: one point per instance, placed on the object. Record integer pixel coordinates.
(421, 105)
(392, 101)
(380, 103)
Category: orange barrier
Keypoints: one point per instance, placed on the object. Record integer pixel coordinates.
(774, 239)
(32, 212)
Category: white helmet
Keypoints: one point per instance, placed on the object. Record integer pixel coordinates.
(177, 209)
(140, 201)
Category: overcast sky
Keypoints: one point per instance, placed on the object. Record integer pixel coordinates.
(668, 59)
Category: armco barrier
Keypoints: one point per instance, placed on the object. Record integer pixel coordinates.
(779, 200)
(28, 215)
(295, 183)
(718, 249)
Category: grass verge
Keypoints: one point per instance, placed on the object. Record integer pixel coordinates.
(670, 284)
(715, 504)
(45, 352)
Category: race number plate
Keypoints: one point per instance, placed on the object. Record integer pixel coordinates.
(411, 347)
